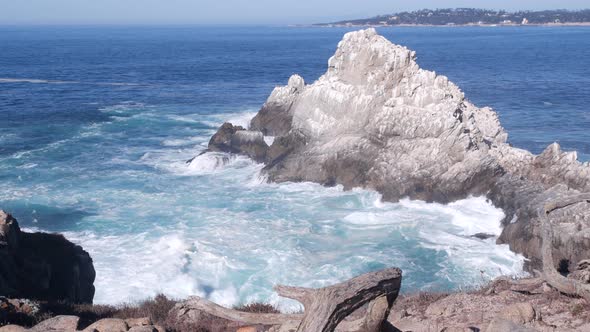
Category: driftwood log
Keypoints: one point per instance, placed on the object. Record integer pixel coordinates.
(324, 308)
(550, 273)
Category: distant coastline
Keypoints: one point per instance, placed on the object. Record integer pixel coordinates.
(569, 24)
(462, 17)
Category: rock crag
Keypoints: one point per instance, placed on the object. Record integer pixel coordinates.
(43, 266)
(377, 120)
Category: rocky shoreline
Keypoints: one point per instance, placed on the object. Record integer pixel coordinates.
(503, 305)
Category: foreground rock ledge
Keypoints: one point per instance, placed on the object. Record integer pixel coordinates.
(376, 120)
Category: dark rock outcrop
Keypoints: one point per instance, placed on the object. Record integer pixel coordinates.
(377, 120)
(43, 266)
(236, 139)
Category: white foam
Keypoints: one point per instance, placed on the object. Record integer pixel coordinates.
(242, 119)
(135, 266)
(269, 140)
(473, 215)
(216, 228)
(183, 141)
(34, 81)
(209, 162)
(123, 107)
(43, 81)
(234, 255)
(237, 119)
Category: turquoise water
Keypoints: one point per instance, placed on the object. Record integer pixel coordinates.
(97, 123)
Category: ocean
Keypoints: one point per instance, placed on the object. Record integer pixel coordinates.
(97, 123)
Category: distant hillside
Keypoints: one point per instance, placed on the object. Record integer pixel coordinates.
(471, 16)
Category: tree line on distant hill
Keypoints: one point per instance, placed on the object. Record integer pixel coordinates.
(462, 16)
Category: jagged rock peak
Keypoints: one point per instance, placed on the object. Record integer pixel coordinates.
(368, 82)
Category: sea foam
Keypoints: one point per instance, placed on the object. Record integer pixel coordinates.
(216, 228)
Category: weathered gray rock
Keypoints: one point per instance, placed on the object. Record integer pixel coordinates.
(458, 329)
(108, 325)
(503, 325)
(12, 328)
(376, 120)
(259, 328)
(143, 321)
(276, 115)
(43, 266)
(582, 271)
(145, 328)
(58, 323)
(519, 313)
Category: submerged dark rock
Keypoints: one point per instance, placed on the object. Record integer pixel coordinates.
(43, 266)
(483, 236)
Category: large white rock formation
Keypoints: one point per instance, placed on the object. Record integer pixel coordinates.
(377, 120)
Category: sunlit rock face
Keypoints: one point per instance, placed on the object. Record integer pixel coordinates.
(377, 120)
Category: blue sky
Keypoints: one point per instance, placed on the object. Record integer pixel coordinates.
(234, 11)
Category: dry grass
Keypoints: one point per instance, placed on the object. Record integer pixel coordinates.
(156, 309)
(258, 308)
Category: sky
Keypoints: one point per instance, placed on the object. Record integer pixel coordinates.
(236, 11)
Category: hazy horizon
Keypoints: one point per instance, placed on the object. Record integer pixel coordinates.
(232, 12)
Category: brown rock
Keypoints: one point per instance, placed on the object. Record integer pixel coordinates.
(66, 323)
(143, 321)
(25, 306)
(247, 329)
(458, 329)
(439, 308)
(160, 328)
(147, 328)
(503, 325)
(12, 328)
(108, 325)
(519, 313)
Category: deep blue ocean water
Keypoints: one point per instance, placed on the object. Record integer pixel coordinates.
(96, 124)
